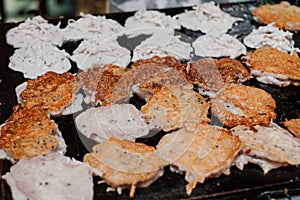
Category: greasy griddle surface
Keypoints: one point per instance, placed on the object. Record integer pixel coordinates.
(247, 184)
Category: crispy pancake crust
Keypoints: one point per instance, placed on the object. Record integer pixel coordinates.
(175, 107)
(284, 15)
(54, 91)
(206, 152)
(212, 74)
(27, 133)
(107, 83)
(168, 60)
(146, 79)
(160, 75)
(271, 60)
(99, 83)
(240, 104)
(123, 163)
(293, 126)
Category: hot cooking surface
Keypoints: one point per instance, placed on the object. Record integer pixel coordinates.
(248, 184)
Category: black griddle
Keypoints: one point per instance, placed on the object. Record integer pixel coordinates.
(251, 183)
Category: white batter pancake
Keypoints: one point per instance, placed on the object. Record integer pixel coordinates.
(90, 27)
(270, 36)
(163, 43)
(207, 18)
(222, 45)
(38, 59)
(34, 31)
(91, 52)
(146, 22)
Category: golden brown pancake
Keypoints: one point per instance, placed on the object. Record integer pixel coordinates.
(107, 83)
(285, 15)
(53, 91)
(293, 125)
(243, 105)
(168, 60)
(146, 79)
(99, 83)
(28, 132)
(212, 74)
(205, 152)
(125, 164)
(271, 66)
(175, 107)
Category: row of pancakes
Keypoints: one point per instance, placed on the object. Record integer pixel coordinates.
(39, 44)
(191, 145)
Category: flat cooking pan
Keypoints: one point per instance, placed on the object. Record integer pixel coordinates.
(251, 183)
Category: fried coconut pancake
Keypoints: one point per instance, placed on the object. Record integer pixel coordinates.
(107, 83)
(175, 107)
(271, 143)
(125, 164)
(271, 66)
(99, 83)
(243, 105)
(53, 91)
(145, 79)
(293, 125)
(210, 75)
(204, 152)
(168, 60)
(284, 15)
(28, 132)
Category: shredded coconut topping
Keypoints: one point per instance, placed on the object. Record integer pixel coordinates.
(38, 59)
(34, 31)
(163, 43)
(207, 18)
(142, 22)
(270, 36)
(91, 27)
(91, 52)
(222, 45)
